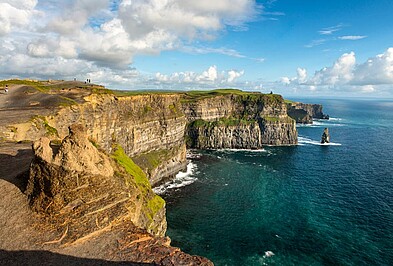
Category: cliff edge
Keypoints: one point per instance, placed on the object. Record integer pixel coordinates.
(90, 186)
(81, 194)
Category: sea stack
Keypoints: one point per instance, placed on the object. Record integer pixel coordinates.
(325, 136)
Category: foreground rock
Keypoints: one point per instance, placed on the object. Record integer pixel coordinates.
(84, 196)
(325, 136)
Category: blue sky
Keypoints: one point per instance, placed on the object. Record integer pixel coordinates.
(309, 47)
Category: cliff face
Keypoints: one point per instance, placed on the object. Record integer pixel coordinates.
(105, 204)
(238, 121)
(144, 125)
(304, 112)
(75, 181)
(153, 128)
(211, 135)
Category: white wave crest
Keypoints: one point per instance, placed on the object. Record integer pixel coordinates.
(304, 141)
(268, 254)
(243, 150)
(192, 154)
(181, 179)
(332, 122)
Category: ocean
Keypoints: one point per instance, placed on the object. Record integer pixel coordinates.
(309, 204)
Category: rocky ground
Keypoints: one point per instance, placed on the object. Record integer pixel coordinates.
(27, 238)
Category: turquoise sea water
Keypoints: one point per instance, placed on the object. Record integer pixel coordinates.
(307, 204)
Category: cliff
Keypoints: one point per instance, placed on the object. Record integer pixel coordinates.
(304, 112)
(97, 185)
(94, 196)
(155, 128)
(238, 120)
(76, 175)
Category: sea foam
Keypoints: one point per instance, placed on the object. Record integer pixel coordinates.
(181, 179)
(303, 141)
(332, 122)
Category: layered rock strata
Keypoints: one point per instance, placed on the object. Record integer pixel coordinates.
(77, 176)
(304, 113)
(154, 129)
(238, 121)
(85, 195)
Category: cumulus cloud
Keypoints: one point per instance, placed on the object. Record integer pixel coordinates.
(107, 34)
(340, 73)
(211, 77)
(348, 75)
(15, 14)
(233, 75)
(377, 70)
(301, 75)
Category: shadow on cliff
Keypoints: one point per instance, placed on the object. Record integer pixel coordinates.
(46, 258)
(15, 168)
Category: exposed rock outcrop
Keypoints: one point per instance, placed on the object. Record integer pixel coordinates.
(238, 120)
(325, 136)
(80, 177)
(304, 113)
(84, 194)
(211, 135)
(153, 128)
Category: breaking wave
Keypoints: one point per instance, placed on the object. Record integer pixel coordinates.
(332, 122)
(182, 179)
(243, 150)
(304, 141)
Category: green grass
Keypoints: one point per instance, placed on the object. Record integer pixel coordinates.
(221, 122)
(275, 119)
(40, 121)
(288, 101)
(154, 159)
(38, 85)
(101, 90)
(122, 93)
(174, 109)
(155, 203)
(65, 101)
(131, 168)
(49, 129)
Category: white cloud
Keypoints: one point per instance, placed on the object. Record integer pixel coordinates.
(367, 88)
(209, 75)
(210, 78)
(314, 43)
(104, 34)
(331, 30)
(352, 37)
(75, 15)
(374, 75)
(376, 70)
(221, 50)
(301, 75)
(285, 80)
(15, 14)
(340, 73)
(233, 75)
